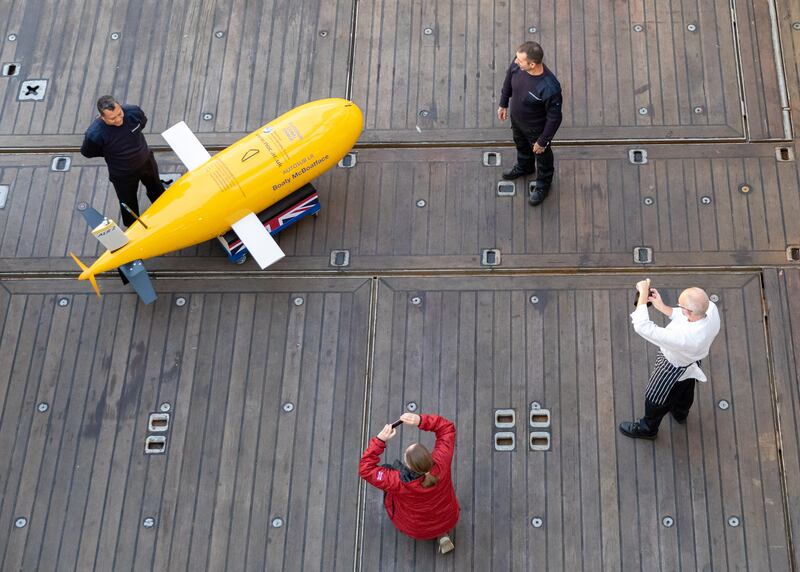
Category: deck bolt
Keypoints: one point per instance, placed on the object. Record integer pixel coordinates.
(714, 298)
(219, 34)
(723, 404)
(421, 203)
(643, 111)
(648, 201)
(288, 407)
(323, 33)
(21, 522)
(165, 407)
(691, 27)
(277, 522)
(208, 116)
(795, 26)
(63, 302)
(149, 522)
(428, 31)
(534, 299)
(733, 521)
(698, 110)
(536, 522)
(532, 30)
(12, 37)
(744, 188)
(416, 300)
(638, 28)
(42, 407)
(705, 200)
(411, 406)
(667, 521)
(115, 35)
(180, 301)
(298, 301)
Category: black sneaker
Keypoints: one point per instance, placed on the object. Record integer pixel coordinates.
(537, 195)
(633, 430)
(678, 420)
(515, 172)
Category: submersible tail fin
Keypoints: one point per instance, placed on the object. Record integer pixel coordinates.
(86, 274)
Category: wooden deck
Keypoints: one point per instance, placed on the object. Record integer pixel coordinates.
(275, 380)
(686, 205)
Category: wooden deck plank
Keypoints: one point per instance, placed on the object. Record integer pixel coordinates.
(50, 437)
(261, 511)
(766, 452)
(609, 475)
(588, 438)
(125, 444)
(783, 316)
(759, 71)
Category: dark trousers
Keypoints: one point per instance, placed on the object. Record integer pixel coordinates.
(678, 402)
(127, 187)
(542, 164)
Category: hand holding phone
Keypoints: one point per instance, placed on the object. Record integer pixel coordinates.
(397, 423)
(636, 299)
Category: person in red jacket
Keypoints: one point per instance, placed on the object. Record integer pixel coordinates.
(418, 493)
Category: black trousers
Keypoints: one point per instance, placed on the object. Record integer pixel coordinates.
(678, 402)
(542, 164)
(127, 187)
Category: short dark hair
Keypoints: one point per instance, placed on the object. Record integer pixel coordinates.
(533, 51)
(106, 103)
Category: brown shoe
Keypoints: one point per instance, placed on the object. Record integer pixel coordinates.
(445, 544)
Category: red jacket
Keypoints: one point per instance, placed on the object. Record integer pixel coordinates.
(418, 512)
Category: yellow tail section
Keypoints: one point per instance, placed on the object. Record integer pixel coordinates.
(86, 274)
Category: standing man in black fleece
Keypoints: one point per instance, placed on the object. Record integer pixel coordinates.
(116, 135)
(535, 96)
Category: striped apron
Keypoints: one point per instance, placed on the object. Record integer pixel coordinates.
(662, 379)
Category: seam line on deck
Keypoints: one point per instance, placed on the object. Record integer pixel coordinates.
(365, 418)
(768, 342)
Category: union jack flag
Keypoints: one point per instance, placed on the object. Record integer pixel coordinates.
(309, 205)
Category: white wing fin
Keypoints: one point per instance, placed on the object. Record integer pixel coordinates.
(186, 145)
(258, 240)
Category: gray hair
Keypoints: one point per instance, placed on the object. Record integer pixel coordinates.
(106, 103)
(696, 301)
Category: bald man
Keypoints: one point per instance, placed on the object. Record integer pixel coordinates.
(681, 345)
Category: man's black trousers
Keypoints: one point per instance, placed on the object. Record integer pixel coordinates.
(678, 402)
(127, 187)
(530, 161)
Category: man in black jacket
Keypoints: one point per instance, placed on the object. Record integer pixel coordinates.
(116, 135)
(535, 96)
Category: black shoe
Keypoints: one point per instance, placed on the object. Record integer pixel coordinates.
(537, 195)
(633, 430)
(515, 172)
(678, 420)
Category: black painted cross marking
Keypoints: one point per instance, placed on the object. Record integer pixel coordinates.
(31, 90)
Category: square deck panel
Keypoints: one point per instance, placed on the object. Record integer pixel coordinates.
(246, 481)
(415, 209)
(239, 63)
(605, 501)
(432, 71)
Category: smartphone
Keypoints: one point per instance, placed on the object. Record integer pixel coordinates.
(636, 299)
(397, 423)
